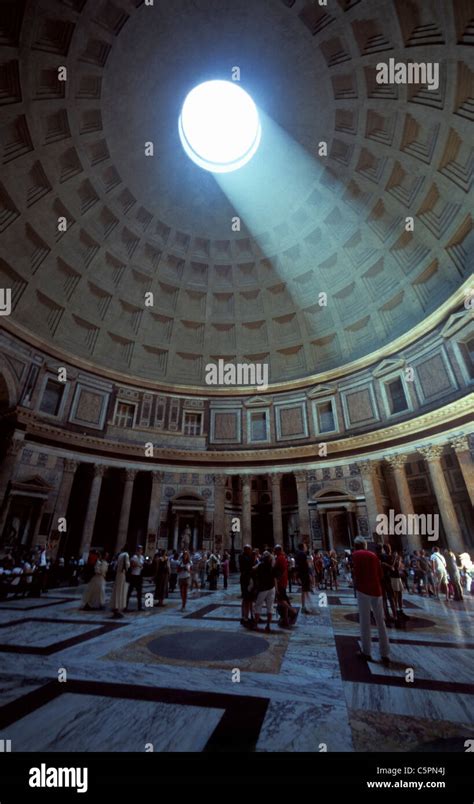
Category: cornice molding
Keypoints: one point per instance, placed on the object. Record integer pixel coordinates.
(369, 442)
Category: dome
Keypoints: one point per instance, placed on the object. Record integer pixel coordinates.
(347, 228)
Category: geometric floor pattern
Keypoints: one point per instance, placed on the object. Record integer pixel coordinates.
(81, 681)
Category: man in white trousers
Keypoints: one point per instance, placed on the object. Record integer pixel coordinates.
(367, 574)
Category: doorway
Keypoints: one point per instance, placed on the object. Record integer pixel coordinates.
(262, 529)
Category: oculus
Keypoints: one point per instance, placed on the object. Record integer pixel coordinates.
(219, 126)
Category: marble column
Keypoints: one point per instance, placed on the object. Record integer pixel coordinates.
(303, 513)
(246, 528)
(122, 532)
(432, 455)
(64, 493)
(11, 462)
(276, 508)
(397, 463)
(8, 472)
(155, 504)
(92, 505)
(219, 506)
(36, 539)
(460, 445)
(373, 496)
(330, 519)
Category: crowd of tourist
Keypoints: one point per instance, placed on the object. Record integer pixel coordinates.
(24, 572)
(32, 572)
(380, 577)
(169, 570)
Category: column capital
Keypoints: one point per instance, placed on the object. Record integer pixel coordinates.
(460, 443)
(130, 475)
(396, 461)
(431, 453)
(246, 481)
(367, 468)
(100, 469)
(275, 478)
(70, 465)
(157, 477)
(300, 477)
(220, 481)
(15, 445)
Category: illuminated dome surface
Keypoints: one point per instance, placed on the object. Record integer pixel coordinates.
(331, 223)
(219, 126)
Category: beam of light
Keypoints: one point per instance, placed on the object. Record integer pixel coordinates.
(282, 180)
(219, 126)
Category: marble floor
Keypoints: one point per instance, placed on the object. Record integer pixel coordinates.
(196, 681)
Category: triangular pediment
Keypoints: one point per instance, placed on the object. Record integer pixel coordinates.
(17, 366)
(36, 481)
(456, 322)
(257, 401)
(387, 366)
(35, 485)
(321, 390)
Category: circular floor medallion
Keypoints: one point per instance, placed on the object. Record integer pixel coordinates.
(207, 646)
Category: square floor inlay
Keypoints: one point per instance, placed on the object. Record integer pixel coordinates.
(97, 723)
(46, 636)
(95, 716)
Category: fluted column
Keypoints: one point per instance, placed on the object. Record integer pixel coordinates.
(373, 497)
(276, 508)
(432, 456)
(130, 475)
(64, 492)
(8, 472)
(303, 513)
(11, 462)
(155, 503)
(219, 505)
(460, 445)
(92, 504)
(412, 541)
(246, 532)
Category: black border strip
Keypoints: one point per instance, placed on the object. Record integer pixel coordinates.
(55, 602)
(238, 729)
(354, 668)
(104, 628)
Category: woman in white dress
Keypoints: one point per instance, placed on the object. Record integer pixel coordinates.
(118, 600)
(94, 594)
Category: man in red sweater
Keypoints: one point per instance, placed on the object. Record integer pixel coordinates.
(367, 575)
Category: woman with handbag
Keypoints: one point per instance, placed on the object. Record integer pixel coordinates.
(184, 577)
(118, 600)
